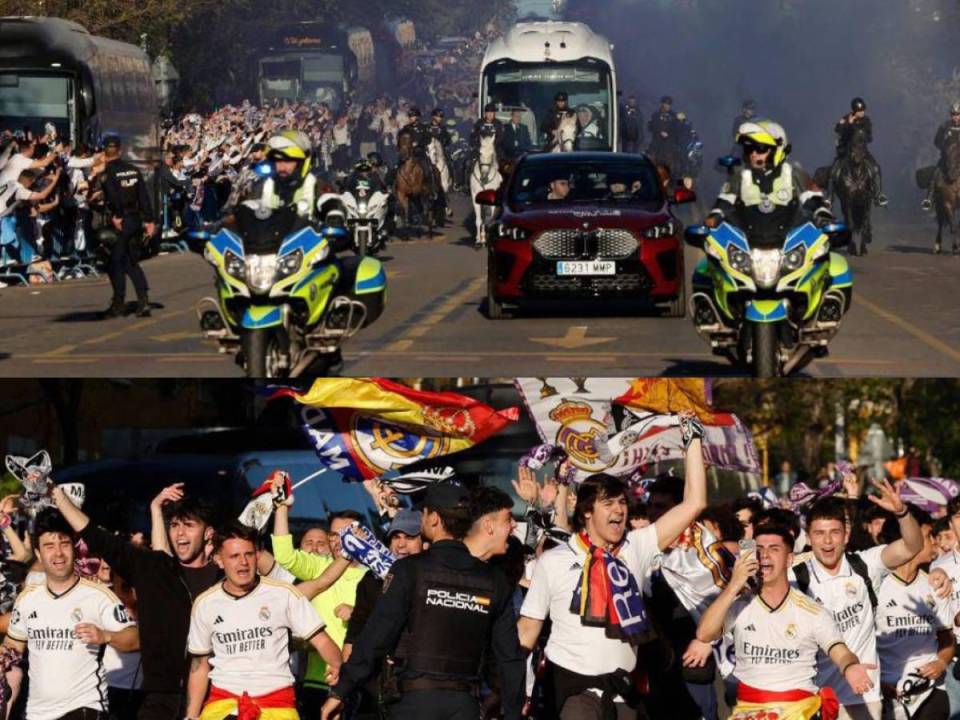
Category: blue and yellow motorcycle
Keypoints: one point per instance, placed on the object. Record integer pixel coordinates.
(772, 309)
(285, 302)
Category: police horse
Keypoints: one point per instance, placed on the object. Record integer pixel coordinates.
(485, 175)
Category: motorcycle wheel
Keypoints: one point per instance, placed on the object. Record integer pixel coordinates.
(678, 306)
(766, 356)
(254, 345)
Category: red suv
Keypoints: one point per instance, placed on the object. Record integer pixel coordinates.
(581, 225)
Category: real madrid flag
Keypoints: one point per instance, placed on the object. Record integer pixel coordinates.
(618, 425)
(364, 427)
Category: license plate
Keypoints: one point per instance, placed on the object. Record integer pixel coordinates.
(587, 267)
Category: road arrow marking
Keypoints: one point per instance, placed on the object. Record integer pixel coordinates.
(576, 337)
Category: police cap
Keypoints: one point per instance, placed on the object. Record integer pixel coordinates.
(112, 141)
(560, 96)
(490, 107)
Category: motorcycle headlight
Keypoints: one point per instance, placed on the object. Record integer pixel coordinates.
(512, 232)
(739, 260)
(261, 271)
(766, 267)
(362, 207)
(289, 264)
(234, 265)
(667, 229)
(794, 259)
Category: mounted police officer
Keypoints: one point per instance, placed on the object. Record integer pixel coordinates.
(765, 195)
(420, 138)
(949, 131)
(550, 123)
(850, 125)
(438, 131)
(131, 213)
(663, 136)
(486, 126)
(290, 183)
(441, 614)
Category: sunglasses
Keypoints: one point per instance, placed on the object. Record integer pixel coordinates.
(757, 149)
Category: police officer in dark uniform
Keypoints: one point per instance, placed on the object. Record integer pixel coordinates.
(440, 612)
(663, 135)
(947, 133)
(551, 121)
(131, 212)
(631, 126)
(849, 126)
(438, 131)
(487, 125)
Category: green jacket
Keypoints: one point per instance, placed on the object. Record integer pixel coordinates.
(307, 566)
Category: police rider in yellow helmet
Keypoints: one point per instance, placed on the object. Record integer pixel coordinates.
(764, 195)
(290, 183)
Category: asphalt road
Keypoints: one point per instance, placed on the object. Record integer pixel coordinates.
(903, 322)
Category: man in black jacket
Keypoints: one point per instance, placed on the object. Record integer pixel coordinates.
(166, 588)
(404, 540)
(447, 592)
(516, 136)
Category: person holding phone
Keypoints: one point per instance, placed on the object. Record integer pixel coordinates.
(777, 633)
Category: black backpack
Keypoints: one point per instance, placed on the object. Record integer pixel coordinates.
(802, 573)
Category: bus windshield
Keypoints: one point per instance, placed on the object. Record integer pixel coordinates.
(531, 87)
(30, 100)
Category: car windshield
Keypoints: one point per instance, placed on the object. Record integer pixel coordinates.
(567, 182)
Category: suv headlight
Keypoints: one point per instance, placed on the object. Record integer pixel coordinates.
(261, 271)
(794, 259)
(739, 260)
(512, 232)
(766, 267)
(289, 264)
(234, 265)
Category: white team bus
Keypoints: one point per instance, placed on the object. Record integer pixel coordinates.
(527, 67)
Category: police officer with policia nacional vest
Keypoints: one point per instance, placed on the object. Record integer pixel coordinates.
(128, 204)
(440, 612)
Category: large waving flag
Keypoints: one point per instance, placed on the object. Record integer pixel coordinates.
(619, 425)
(364, 427)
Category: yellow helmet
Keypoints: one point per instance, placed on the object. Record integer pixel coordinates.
(768, 134)
(290, 145)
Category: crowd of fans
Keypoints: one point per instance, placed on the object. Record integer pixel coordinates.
(888, 573)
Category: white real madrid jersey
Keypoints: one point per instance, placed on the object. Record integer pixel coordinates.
(65, 674)
(248, 636)
(950, 564)
(845, 595)
(909, 616)
(776, 648)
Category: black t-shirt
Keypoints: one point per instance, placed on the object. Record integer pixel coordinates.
(199, 580)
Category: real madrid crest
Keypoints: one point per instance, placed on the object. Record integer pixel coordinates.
(850, 589)
(76, 615)
(790, 631)
(264, 613)
(578, 430)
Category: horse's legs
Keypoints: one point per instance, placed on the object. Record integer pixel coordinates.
(952, 217)
(937, 244)
(866, 236)
(480, 237)
(845, 210)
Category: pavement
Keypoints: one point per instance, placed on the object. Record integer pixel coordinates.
(902, 322)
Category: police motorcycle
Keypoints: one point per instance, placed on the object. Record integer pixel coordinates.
(362, 211)
(771, 302)
(285, 302)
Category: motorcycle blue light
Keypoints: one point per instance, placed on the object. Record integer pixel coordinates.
(338, 232)
(263, 169)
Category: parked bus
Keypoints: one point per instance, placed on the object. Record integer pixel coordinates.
(525, 69)
(54, 71)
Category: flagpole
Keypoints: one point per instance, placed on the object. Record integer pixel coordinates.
(307, 478)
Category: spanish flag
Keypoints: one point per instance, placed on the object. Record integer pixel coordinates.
(364, 427)
(666, 396)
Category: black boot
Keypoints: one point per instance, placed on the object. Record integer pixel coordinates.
(143, 306)
(117, 309)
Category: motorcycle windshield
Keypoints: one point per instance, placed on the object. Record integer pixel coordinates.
(767, 230)
(263, 236)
